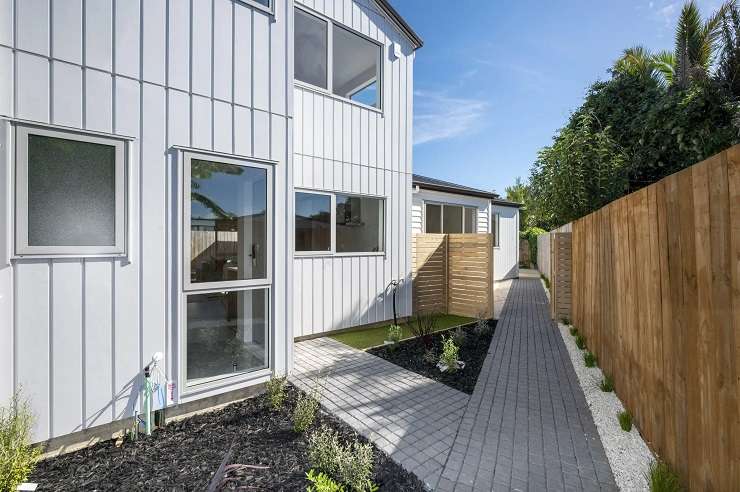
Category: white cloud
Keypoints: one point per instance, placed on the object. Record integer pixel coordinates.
(438, 116)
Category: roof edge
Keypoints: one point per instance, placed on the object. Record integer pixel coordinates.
(405, 27)
(505, 203)
(456, 191)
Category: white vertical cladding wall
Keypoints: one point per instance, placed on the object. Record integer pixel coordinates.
(483, 205)
(74, 333)
(340, 146)
(506, 256)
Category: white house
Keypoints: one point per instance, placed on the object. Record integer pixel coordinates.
(443, 207)
(202, 179)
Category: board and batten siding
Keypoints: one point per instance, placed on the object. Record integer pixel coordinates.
(344, 147)
(433, 196)
(506, 255)
(211, 74)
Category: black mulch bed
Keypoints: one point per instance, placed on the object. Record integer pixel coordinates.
(409, 354)
(185, 455)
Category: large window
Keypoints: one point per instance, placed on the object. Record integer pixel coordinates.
(450, 219)
(226, 266)
(312, 222)
(70, 191)
(354, 72)
(357, 224)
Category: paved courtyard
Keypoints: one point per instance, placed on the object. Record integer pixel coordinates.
(526, 426)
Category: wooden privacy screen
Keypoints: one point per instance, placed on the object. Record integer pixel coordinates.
(453, 273)
(656, 292)
(560, 283)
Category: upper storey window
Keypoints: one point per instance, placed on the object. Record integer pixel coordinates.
(346, 63)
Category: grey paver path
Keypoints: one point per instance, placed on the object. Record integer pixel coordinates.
(527, 425)
(410, 417)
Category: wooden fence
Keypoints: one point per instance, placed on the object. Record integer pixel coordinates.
(656, 292)
(453, 273)
(561, 275)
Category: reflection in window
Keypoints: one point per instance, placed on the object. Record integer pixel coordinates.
(228, 222)
(227, 333)
(433, 219)
(312, 222)
(470, 226)
(356, 67)
(452, 220)
(310, 50)
(360, 224)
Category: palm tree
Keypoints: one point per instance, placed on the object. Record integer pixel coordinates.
(696, 44)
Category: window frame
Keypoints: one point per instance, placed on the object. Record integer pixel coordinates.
(121, 196)
(189, 286)
(442, 206)
(329, 90)
(333, 250)
(496, 229)
(270, 9)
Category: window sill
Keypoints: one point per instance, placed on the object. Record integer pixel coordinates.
(324, 92)
(193, 390)
(81, 256)
(258, 6)
(303, 254)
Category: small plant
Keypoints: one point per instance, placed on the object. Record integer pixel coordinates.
(304, 413)
(321, 482)
(625, 420)
(350, 464)
(589, 359)
(17, 456)
(276, 391)
(565, 321)
(481, 324)
(423, 326)
(607, 384)
(459, 336)
(394, 333)
(430, 356)
(450, 353)
(661, 478)
(580, 341)
(573, 331)
(545, 280)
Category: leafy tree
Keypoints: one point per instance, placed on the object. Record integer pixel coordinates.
(519, 192)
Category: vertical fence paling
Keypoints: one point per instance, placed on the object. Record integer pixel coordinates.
(656, 292)
(453, 273)
(560, 275)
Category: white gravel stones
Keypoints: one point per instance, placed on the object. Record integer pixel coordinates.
(627, 452)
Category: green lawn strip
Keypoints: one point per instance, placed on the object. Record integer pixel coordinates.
(372, 337)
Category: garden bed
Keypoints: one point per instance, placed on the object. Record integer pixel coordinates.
(184, 455)
(409, 354)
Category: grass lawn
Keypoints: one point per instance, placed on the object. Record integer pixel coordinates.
(370, 337)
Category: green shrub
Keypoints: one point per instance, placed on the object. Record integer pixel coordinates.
(321, 482)
(394, 333)
(607, 384)
(481, 325)
(573, 331)
(625, 420)
(304, 413)
(589, 359)
(459, 336)
(350, 464)
(276, 391)
(565, 321)
(661, 478)
(580, 341)
(545, 280)
(430, 356)
(450, 353)
(17, 456)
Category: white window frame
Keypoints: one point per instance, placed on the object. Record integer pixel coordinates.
(329, 90)
(230, 284)
(333, 250)
(22, 248)
(269, 9)
(188, 288)
(442, 206)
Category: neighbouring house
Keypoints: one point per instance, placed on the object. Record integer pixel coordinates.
(441, 207)
(203, 180)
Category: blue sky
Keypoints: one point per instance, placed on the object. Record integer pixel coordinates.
(496, 78)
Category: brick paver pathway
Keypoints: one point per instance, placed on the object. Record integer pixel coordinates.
(410, 417)
(527, 425)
